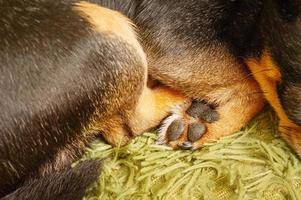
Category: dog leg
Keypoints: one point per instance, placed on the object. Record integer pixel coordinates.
(152, 107)
(145, 107)
(267, 73)
(191, 125)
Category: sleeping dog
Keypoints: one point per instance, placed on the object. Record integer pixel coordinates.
(71, 71)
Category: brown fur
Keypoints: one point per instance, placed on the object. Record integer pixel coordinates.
(194, 74)
(267, 73)
(150, 107)
(104, 20)
(49, 114)
(237, 95)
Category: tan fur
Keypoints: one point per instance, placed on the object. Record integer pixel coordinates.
(266, 72)
(237, 106)
(104, 20)
(194, 74)
(217, 76)
(244, 102)
(197, 72)
(113, 130)
(153, 105)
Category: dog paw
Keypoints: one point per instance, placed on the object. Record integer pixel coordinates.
(186, 126)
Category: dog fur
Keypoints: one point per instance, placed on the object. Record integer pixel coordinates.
(72, 70)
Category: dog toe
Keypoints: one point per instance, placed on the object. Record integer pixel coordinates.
(175, 130)
(196, 131)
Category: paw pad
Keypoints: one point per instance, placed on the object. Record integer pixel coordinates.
(196, 131)
(175, 130)
(187, 125)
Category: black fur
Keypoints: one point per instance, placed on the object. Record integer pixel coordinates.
(77, 179)
(246, 27)
(281, 30)
(55, 72)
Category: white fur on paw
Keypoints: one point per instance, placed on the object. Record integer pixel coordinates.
(176, 114)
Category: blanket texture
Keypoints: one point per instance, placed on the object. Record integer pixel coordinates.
(251, 164)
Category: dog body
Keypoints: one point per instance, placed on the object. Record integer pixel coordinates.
(64, 76)
(212, 50)
(72, 70)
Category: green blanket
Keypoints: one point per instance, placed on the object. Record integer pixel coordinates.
(251, 164)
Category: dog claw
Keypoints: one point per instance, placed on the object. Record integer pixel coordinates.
(160, 142)
(186, 145)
